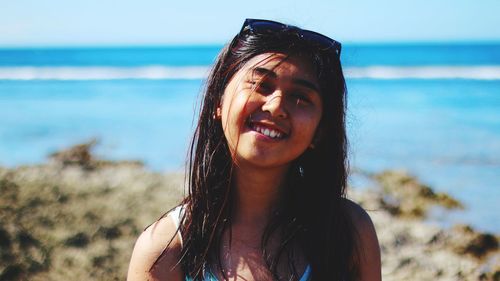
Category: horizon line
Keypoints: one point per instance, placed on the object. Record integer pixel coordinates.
(218, 44)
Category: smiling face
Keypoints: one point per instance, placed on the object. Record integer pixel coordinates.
(270, 110)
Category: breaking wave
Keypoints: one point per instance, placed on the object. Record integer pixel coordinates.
(102, 73)
(200, 72)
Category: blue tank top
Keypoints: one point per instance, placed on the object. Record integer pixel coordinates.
(211, 277)
(176, 214)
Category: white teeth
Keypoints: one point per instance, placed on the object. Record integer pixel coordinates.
(267, 132)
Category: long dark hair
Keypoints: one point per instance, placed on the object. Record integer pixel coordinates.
(313, 214)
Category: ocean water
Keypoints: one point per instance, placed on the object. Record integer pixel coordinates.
(433, 110)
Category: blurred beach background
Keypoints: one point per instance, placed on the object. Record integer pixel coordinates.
(423, 84)
(432, 109)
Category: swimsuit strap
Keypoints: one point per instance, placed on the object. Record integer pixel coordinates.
(306, 274)
(176, 215)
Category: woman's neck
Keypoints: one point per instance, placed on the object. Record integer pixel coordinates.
(257, 194)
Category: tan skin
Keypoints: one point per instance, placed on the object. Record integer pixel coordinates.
(284, 100)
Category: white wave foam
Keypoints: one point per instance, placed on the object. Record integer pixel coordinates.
(200, 72)
(425, 72)
(102, 73)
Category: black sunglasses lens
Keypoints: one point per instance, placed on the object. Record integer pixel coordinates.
(265, 26)
(321, 41)
(317, 39)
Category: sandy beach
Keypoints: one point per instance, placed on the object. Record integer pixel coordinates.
(76, 218)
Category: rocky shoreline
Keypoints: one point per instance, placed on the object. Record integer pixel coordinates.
(77, 217)
(414, 249)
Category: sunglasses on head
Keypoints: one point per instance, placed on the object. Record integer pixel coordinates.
(321, 41)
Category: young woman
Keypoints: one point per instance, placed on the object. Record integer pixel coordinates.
(267, 172)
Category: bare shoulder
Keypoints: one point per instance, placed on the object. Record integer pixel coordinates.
(359, 216)
(156, 253)
(370, 264)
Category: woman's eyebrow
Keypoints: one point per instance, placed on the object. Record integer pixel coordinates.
(305, 83)
(261, 71)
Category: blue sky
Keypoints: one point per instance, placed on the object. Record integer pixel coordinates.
(126, 22)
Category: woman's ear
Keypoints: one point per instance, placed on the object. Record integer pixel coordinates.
(218, 114)
(317, 138)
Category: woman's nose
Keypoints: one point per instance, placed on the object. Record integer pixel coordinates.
(275, 104)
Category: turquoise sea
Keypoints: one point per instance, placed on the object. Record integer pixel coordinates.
(432, 109)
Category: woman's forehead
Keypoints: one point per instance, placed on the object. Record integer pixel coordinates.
(281, 65)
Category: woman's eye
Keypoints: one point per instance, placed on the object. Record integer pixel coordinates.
(300, 98)
(262, 87)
